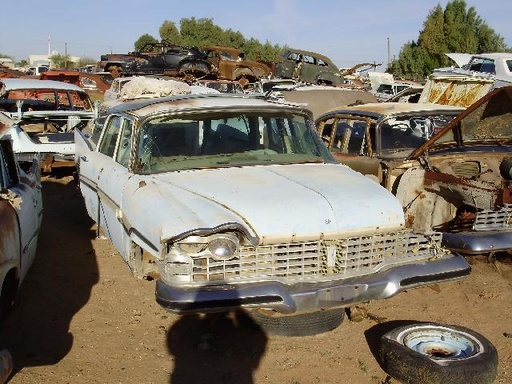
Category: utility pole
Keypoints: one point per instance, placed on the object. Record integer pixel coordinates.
(389, 54)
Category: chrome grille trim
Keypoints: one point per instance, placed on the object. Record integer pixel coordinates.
(320, 260)
(488, 220)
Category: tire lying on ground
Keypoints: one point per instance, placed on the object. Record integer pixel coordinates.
(303, 324)
(436, 353)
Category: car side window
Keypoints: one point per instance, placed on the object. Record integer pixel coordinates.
(108, 140)
(348, 136)
(123, 151)
(308, 59)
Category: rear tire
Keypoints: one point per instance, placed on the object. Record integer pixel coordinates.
(304, 324)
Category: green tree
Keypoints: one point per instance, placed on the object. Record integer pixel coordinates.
(169, 32)
(143, 40)
(61, 61)
(202, 32)
(456, 29)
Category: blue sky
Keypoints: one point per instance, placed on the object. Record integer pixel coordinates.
(349, 32)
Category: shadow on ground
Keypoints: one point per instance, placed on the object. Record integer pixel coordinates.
(59, 283)
(223, 348)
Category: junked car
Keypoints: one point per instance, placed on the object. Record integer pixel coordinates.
(387, 90)
(233, 202)
(159, 58)
(308, 67)
(457, 183)
(231, 64)
(21, 210)
(476, 75)
(41, 116)
(368, 135)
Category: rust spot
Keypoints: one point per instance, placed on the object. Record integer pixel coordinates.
(409, 220)
(142, 184)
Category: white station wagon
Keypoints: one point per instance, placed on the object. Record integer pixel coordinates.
(233, 202)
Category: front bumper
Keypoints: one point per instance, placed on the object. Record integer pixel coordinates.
(310, 296)
(478, 242)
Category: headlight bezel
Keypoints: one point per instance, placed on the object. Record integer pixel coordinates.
(221, 246)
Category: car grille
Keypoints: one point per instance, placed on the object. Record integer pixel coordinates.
(316, 260)
(488, 220)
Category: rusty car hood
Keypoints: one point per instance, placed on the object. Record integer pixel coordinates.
(476, 126)
(272, 202)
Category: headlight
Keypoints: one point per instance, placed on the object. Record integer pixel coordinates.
(192, 247)
(223, 247)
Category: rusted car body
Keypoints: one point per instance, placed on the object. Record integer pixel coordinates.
(21, 210)
(189, 189)
(308, 67)
(95, 84)
(476, 75)
(159, 58)
(364, 136)
(232, 65)
(41, 116)
(459, 181)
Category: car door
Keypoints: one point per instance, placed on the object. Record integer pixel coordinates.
(25, 199)
(112, 178)
(89, 162)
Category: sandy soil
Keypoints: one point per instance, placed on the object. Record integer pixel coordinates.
(83, 318)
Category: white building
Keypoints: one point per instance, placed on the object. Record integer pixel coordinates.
(39, 60)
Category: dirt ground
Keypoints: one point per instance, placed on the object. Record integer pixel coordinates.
(83, 318)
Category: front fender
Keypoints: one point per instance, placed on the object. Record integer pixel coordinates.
(152, 217)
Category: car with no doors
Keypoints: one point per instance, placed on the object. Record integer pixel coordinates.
(452, 174)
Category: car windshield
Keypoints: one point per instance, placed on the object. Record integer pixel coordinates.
(487, 124)
(401, 135)
(227, 140)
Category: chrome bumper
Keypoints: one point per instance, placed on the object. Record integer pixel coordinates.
(309, 296)
(478, 242)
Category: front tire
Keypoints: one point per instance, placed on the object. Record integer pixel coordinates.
(433, 353)
(303, 324)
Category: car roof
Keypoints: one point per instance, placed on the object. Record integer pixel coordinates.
(203, 102)
(15, 83)
(309, 53)
(381, 109)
